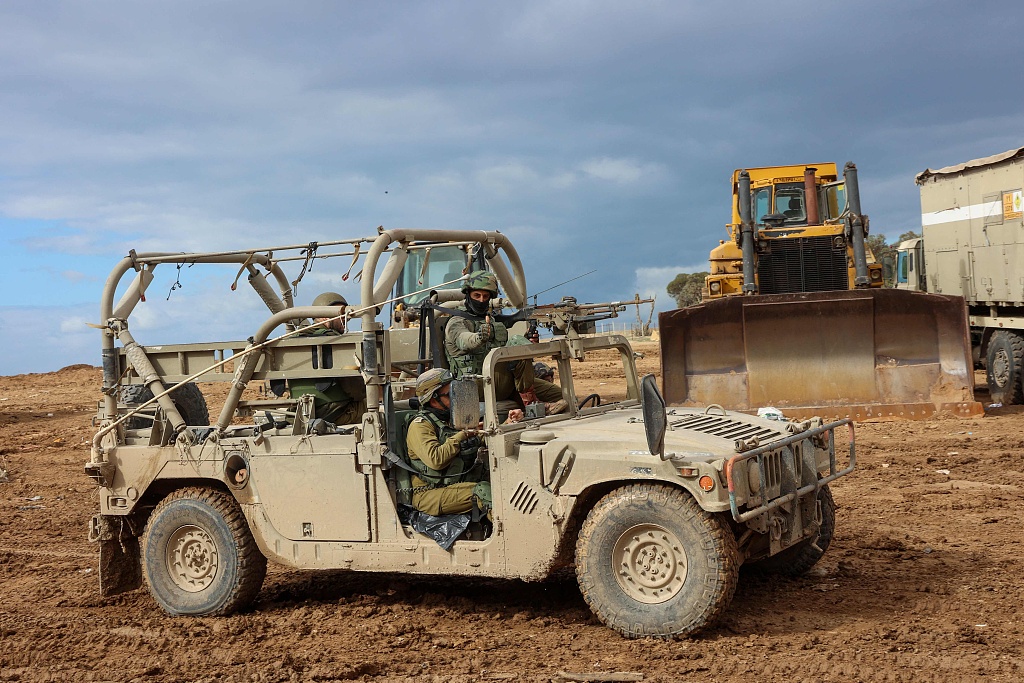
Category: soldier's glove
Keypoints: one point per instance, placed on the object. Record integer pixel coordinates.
(486, 332)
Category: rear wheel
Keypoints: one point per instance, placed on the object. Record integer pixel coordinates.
(1004, 365)
(188, 399)
(798, 559)
(199, 557)
(651, 562)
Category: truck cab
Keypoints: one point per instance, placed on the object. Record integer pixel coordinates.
(910, 265)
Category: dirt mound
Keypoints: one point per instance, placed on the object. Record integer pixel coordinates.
(921, 582)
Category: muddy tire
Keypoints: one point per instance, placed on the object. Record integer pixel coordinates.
(651, 562)
(198, 555)
(798, 559)
(1004, 366)
(188, 399)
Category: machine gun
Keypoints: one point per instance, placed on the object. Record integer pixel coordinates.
(571, 319)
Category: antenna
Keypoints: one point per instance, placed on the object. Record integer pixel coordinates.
(559, 285)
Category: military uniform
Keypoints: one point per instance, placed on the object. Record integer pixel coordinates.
(466, 347)
(446, 458)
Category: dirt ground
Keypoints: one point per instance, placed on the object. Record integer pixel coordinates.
(923, 582)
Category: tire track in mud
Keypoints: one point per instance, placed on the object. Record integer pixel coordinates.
(32, 552)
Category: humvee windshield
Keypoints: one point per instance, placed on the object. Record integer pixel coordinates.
(444, 263)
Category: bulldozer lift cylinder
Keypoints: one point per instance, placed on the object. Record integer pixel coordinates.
(856, 221)
(746, 234)
(811, 195)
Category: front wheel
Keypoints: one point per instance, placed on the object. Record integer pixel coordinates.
(651, 562)
(798, 559)
(199, 557)
(1004, 363)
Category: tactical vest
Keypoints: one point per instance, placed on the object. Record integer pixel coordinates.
(472, 362)
(463, 467)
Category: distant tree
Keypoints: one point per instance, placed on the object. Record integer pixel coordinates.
(686, 288)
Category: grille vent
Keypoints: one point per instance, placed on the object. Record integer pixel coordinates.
(524, 499)
(716, 425)
(802, 264)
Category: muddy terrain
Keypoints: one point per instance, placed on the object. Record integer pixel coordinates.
(923, 582)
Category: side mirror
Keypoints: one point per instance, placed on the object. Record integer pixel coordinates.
(465, 404)
(655, 417)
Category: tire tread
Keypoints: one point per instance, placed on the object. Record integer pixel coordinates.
(252, 564)
(719, 549)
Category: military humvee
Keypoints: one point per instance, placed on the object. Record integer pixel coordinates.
(656, 509)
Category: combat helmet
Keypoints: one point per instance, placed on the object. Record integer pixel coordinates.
(542, 370)
(430, 382)
(481, 279)
(330, 299)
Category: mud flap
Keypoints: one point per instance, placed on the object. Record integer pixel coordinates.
(862, 354)
(120, 557)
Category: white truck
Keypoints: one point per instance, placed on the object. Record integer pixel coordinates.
(972, 245)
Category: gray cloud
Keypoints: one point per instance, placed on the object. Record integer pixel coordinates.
(597, 134)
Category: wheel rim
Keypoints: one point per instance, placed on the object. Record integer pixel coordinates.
(1001, 368)
(649, 563)
(192, 559)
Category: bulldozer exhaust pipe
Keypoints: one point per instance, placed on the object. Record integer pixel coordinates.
(856, 223)
(811, 196)
(746, 234)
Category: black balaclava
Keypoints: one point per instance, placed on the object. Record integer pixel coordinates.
(477, 307)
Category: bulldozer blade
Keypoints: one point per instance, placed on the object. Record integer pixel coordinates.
(862, 354)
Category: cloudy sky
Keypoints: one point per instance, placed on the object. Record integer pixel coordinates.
(599, 135)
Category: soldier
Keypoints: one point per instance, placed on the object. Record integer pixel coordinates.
(468, 339)
(543, 371)
(336, 400)
(453, 479)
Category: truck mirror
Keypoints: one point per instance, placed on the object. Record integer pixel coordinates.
(465, 403)
(655, 417)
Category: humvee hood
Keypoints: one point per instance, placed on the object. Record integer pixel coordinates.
(692, 433)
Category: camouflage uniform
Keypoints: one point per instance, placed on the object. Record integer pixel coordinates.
(466, 349)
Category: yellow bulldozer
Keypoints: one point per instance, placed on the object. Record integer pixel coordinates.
(794, 314)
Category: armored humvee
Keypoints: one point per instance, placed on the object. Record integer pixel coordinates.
(655, 508)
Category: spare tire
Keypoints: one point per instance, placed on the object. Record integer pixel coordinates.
(187, 398)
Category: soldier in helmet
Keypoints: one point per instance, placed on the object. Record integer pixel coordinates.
(335, 399)
(452, 479)
(543, 371)
(468, 339)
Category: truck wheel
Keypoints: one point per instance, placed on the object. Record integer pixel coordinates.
(188, 400)
(651, 562)
(1005, 362)
(798, 559)
(199, 556)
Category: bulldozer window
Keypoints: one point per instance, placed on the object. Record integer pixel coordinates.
(835, 201)
(761, 202)
(789, 201)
